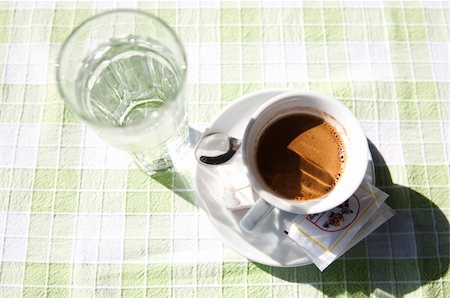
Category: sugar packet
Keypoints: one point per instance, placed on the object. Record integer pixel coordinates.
(237, 192)
(326, 236)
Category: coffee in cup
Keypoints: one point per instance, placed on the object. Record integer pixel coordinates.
(300, 156)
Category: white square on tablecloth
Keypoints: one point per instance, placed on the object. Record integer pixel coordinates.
(110, 251)
(381, 72)
(192, 54)
(434, 4)
(28, 135)
(26, 157)
(17, 224)
(360, 72)
(269, 4)
(88, 227)
(45, 4)
(184, 251)
(15, 249)
(446, 131)
(185, 226)
(389, 132)
(210, 4)
(91, 139)
(7, 156)
(39, 54)
(35, 4)
(117, 159)
(85, 251)
(379, 53)
(273, 53)
(392, 153)
(189, 4)
(2, 245)
(296, 73)
(371, 130)
(8, 134)
(374, 4)
(274, 73)
(112, 227)
(193, 74)
(357, 52)
(440, 52)
(2, 224)
(295, 53)
(441, 72)
(127, 4)
(447, 149)
(106, 4)
(210, 54)
(37, 74)
(15, 74)
(210, 250)
(93, 157)
(18, 54)
(351, 4)
(210, 73)
(205, 229)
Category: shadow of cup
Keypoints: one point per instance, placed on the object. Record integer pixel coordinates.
(410, 251)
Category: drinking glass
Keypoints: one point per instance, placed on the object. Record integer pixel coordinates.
(123, 72)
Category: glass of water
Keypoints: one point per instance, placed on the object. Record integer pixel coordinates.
(122, 72)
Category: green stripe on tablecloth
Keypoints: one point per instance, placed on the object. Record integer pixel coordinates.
(420, 100)
(157, 276)
(320, 24)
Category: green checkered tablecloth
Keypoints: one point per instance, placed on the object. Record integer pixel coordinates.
(77, 217)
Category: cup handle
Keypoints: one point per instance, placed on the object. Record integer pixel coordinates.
(255, 214)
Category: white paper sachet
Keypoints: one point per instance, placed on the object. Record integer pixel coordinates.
(237, 192)
(326, 236)
(381, 216)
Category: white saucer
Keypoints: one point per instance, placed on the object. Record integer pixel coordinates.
(267, 244)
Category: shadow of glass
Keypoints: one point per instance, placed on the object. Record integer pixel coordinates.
(176, 182)
(179, 182)
(409, 251)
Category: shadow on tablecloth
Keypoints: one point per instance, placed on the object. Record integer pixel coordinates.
(409, 251)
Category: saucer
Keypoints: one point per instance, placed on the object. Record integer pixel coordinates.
(266, 244)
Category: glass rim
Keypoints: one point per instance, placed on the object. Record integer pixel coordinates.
(90, 120)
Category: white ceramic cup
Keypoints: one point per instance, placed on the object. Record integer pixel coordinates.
(332, 111)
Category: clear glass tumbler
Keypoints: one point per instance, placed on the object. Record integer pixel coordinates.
(122, 72)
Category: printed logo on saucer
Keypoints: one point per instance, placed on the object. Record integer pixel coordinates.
(338, 218)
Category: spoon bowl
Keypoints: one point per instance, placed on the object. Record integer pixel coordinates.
(216, 148)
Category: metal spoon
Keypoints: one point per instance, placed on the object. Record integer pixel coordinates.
(216, 148)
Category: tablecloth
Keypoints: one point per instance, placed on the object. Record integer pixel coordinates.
(77, 218)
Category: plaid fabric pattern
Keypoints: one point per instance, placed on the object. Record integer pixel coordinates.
(77, 217)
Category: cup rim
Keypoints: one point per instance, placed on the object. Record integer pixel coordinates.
(316, 205)
(73, 107)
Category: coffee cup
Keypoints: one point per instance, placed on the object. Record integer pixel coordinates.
(340, 121)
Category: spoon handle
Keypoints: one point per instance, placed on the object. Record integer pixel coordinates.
(255, 214)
